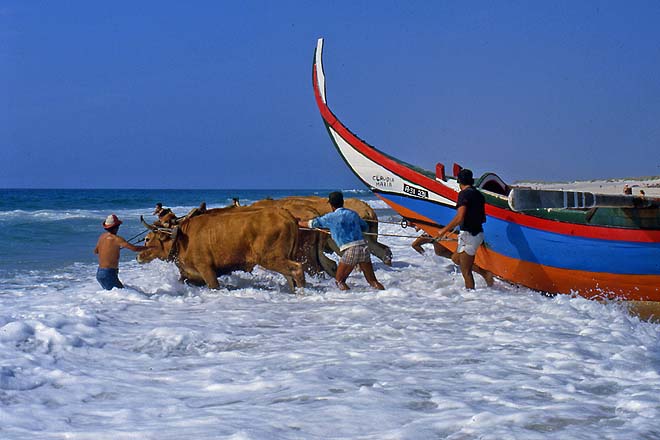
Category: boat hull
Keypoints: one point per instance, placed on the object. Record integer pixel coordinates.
(535, 251)
(590, 284)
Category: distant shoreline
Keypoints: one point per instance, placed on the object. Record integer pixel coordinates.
(650, 185)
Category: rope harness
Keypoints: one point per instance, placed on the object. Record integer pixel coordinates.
(136, 236)
(172, 232)
(174, 250)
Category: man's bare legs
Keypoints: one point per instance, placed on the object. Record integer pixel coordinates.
(419, 241)
(368, 271)
(344, 270)
(466, 263)
(487, 275)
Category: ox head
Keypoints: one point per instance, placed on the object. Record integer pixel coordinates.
(159, 242)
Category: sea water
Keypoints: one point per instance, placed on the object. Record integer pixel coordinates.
(423, 359)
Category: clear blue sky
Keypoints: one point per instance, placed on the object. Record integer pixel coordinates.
(213, 94)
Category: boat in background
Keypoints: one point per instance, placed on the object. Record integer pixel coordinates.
(608, 251)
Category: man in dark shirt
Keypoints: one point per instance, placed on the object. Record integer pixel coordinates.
(470, 215)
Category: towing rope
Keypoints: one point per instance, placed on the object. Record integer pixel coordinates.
(136, 236)
(403, 223)
(325, 231)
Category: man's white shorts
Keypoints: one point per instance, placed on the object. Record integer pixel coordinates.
(469, 243)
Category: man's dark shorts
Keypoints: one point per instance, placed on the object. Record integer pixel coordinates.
(108, 278)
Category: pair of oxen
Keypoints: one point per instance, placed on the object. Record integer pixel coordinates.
(214, 242)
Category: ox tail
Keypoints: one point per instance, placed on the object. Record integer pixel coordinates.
(296, 273)
(296, 268)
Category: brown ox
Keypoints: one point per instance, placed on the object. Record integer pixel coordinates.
(364, 210)
(310, 243)
(207, 246)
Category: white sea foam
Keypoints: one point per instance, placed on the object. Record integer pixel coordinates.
(423, 359)
(54, 215)
(378, 204)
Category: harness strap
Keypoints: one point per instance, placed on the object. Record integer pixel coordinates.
(174, 250)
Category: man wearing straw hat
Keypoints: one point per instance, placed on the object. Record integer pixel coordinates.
(107, 249)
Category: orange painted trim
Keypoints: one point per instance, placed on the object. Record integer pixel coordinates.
(556, 280)
(593, 285)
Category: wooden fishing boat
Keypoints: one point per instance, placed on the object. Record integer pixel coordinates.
(571, 244)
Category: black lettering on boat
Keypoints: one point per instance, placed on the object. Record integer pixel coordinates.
(417, 192)
(383, 181)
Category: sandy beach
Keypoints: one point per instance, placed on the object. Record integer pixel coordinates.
(650, 185)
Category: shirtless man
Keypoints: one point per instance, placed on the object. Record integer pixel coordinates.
(107, 248)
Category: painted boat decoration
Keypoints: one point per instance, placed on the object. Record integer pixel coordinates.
(597, 251)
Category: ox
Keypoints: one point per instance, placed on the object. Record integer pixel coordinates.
(363, 209)
(310, 243)
(213, 244)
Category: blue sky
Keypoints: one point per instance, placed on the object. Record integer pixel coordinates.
(212, 94)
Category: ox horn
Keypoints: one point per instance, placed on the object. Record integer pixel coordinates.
(147, 225)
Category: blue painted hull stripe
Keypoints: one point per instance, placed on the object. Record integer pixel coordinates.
(551, 249)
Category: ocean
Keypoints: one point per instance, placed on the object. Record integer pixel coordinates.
(423, 359)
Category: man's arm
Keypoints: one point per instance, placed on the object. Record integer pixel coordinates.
(96, 249)
(317, 222)
(457, 220)
(124, 244)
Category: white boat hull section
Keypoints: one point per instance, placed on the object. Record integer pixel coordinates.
(320, 75)
(376, 176)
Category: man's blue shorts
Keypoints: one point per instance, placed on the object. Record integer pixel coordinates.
(108, 278)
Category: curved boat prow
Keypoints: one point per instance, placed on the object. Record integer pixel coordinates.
(380, 172)
(318, 70)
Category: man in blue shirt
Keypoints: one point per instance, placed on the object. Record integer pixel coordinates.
(346, 228)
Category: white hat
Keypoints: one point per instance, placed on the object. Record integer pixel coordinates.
(111, 221)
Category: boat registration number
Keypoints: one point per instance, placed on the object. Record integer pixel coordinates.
(417, 192)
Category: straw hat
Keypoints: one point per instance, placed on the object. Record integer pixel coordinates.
(111, 221)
